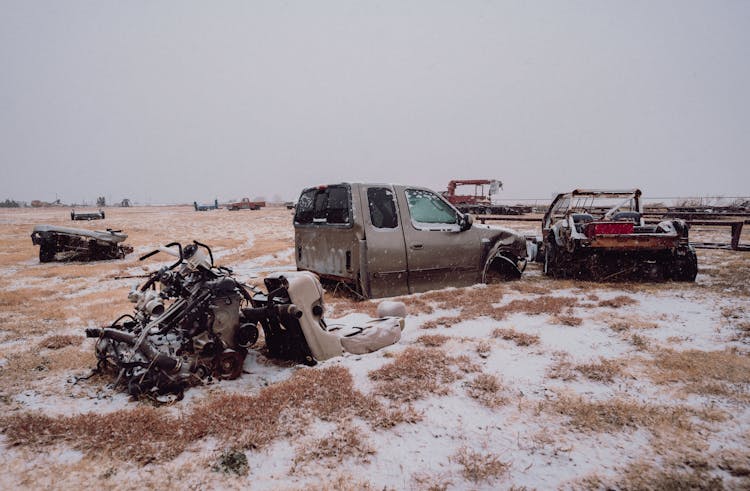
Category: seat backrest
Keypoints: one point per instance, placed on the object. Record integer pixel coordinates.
(582, 218)
(633, 216)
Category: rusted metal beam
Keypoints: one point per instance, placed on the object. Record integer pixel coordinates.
(506, 218)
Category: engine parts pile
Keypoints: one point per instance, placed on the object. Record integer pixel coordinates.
(185, 332)
(200, 322)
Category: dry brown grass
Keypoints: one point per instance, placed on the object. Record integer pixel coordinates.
(478, 467)
(618, 301)
(529, 288)
(742, 331)
(483, 348)
(735, 318)
(567, 320)
(145, 434)
(57, 341)
(520, 338)
(346, 442)
(647, 476)
(487, 389)
(416, 373)
(562, 369)
(617, 414)
(602, 371)
(342, 481)
(432, 340)
(536, 306)
(24, 368)
(342, 303)
(620, 323)
(735, 462)
(429, 482)
(725, 373)
(731, 277)
(474, 302)
(444, 321)
(640, 342)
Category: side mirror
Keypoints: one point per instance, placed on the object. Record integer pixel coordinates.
(465, 222)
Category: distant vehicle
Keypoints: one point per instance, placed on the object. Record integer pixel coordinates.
(73, 244)
(214, 206)
(385, 240)
(98, 215)
(246, 204)
(289, 205)
(601, 235)
(479, 202)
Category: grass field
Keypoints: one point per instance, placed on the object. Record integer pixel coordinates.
(537, 383)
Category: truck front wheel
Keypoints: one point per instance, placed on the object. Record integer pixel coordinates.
(501, 268)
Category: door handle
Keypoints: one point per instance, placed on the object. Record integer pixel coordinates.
(416, 246)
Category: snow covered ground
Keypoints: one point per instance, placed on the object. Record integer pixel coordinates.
(533, 384)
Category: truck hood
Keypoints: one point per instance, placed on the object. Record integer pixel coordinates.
(514, 242)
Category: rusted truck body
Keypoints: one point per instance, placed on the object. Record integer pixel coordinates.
(601, 235)
(73, 244)
(385, 240)
(246, 204)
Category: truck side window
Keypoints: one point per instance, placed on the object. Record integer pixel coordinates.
(427, 207)
(382, 208)
(337, 209)
(325, 205)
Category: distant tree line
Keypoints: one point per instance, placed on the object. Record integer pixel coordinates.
(11, 203)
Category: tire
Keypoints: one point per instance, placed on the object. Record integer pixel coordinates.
(686, 267)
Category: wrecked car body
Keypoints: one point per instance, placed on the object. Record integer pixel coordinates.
(97, 215)
(74, 244)
(385, 240)
(206, 207)
(601, 235)
(201, 321)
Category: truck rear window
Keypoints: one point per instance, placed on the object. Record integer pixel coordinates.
(328, 205)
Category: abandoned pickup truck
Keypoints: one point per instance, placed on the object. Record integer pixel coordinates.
(385, 240)
(601, 235)
(246, 204)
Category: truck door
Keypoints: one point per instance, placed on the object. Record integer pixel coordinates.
(384, 237)
(326, 238)
(438, 253)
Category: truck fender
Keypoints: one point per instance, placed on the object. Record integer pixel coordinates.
(509, 263)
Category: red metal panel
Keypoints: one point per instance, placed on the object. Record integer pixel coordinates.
(609, 228)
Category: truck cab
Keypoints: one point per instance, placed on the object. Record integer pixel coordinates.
(385, 240)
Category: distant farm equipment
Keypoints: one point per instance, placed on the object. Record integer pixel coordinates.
(480, 202)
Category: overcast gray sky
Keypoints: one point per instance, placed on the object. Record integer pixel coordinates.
(171, 101)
